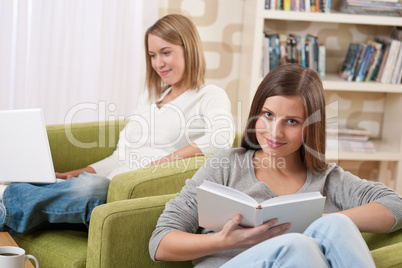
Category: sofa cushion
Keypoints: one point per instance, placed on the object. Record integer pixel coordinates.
(56, 248)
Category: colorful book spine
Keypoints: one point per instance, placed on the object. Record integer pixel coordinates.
(377, 52)
(274, 50)
(286, 5)
(397, 69)
(361, 73)
(267, 4)
(321, 61)
(303, 51)
(348, 61)
(358, 62)
(390, 64)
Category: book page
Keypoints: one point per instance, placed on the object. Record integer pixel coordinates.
(291, 198)
(214, 210)
(228, 193)
(300, 214)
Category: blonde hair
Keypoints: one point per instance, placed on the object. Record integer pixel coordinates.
(178, 30)
(294, 80)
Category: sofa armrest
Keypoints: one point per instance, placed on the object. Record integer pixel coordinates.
(166, 178)
(78, 145)
(375, 241)
(388, 256)
(119, 233)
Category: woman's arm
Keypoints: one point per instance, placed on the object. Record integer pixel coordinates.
(372, 217)
(74, 173)
(190, 150)
(372, 206)
(182, 246)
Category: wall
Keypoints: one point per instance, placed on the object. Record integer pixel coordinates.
(219, 24)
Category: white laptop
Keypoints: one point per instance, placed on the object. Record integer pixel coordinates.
(24, 147)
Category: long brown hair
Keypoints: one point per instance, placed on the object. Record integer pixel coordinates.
(294, 80)
(178, 30)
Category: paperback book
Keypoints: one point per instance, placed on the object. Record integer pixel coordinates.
(217, 204)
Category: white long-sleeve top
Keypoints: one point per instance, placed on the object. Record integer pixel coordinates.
(200, 116)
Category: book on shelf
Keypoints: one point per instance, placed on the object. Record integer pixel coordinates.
(374, 60)
(267, 4)
(313, 41)
(292, 48)
(358, 62)
(395, 78)
(321, 60)
(349, 140)
(217, 204)
(323, 6)
(362, 72)
(349, 60)
(274, 50)
(265, 56)
(354, 146)
(379, 60)
(391, 61)
(349, 137)
(328, 6)
(383, 61)
(368, 7)
(286, 5)
(348, 131)
(302, 44)
(312, 5)
(307, 6)
(271, 52)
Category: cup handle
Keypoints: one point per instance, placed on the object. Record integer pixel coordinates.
(33, 258)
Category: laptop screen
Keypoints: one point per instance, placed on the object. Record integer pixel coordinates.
(24, 147)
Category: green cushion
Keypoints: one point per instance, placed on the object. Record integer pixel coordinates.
(388, 256)
(375, 241)
(81, 144)
(56, 248)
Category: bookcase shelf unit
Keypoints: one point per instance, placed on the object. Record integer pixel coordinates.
(389, 143)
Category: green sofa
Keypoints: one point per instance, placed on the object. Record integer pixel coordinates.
(119, 230)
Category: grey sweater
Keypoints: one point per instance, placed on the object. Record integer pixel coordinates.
(234, 168)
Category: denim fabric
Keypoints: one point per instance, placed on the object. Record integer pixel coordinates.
(331, 241)
(28, 206)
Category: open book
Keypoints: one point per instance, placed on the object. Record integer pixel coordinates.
(218, 203)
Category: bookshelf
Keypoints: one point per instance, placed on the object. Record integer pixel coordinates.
(257, 20)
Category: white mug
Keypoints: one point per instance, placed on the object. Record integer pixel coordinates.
(14, 257)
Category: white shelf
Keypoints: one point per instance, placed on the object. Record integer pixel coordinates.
(384, 152)
(333, 82)
(332, 17)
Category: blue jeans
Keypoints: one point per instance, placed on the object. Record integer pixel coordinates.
(331, 241)
(29, 206)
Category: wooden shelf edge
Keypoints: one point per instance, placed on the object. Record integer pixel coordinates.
(333, 82)
(378, 156)
(332, 17)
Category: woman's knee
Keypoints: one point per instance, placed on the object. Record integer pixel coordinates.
(335, 220)
(92, 185)
(290, 242)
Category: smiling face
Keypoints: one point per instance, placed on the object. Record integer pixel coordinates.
(279, 127)
(168, 61)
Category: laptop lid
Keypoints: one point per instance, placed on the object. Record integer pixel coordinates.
(24, 147)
